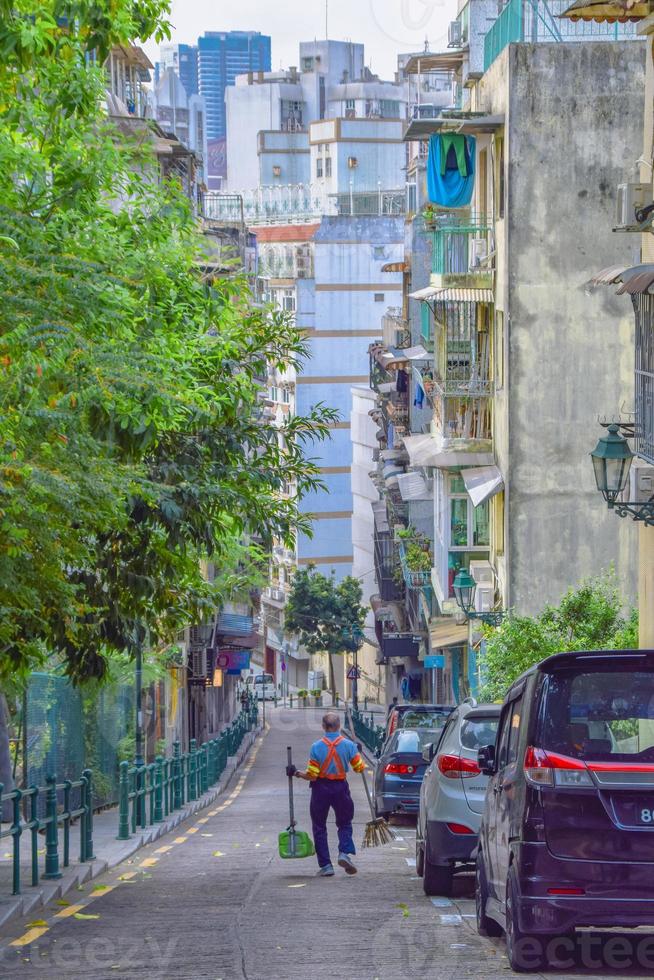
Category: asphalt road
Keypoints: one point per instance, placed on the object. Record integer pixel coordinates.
(215, 901)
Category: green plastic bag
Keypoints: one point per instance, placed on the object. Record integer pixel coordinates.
(295, 844)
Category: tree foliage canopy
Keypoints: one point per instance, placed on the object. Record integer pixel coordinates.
(131, 442)
(589, 617)
(326, 615)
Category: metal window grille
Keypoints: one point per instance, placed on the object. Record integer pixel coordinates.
(644, 428)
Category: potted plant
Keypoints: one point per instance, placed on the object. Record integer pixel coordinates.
(429, 214)
(316, 694)
(303, 697)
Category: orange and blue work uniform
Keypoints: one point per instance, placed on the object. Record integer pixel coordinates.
(330, 759)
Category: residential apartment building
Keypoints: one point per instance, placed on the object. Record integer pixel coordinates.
(486, 404)
(183, 115)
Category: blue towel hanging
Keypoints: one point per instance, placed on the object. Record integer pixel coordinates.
(450, 190)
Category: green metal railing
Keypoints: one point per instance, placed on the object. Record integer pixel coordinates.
(367, 731)
(413, 579)
(538, 21)
(149, 793)
(47, 808)
(452, 253)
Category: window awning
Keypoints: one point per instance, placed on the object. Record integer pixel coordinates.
(413, 486)
(448, 60)
(448, 634)
(607, 11)
(620, 273)
(426, 450)
(451, 294)
(380, 515)
(395, 267)
(482, 482)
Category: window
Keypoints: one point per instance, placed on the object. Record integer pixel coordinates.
(479, 731)
(274, 393)
(379, 252)
(286, 396)
(288, 300)
(644, 308)
(318, 166)
(328, 166)
(502, 752)
(350, 105)
(514, 731)
(379, 297)
(498, 523)
(307, 64)
(469, 525)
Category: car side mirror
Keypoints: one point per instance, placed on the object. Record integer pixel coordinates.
(486, 759)
(429, 752)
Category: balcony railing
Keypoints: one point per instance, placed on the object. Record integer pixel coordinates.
(386, 567)
(413, 579)
(466, 419)
(461, 249)
(298, 203)
(537, 20)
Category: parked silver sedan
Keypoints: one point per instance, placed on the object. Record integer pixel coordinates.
(452, 796)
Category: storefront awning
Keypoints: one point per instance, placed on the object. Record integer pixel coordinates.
(482, 482)
(452, 294)
(448, 634)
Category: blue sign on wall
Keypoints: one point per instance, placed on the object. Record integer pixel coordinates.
(435, 660)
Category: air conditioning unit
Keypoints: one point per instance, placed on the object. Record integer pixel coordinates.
(198, 662)
(478, 252)
(484, 598)
(641, 483)
(454, 34)
(483, 574)
(630, 199)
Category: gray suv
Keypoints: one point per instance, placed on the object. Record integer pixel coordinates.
(452, 795)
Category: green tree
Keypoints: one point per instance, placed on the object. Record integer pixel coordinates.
(589, 617)
(327, 616)
(132, 445)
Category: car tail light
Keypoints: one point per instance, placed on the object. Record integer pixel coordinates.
(551, 769)
(566, 891)
(459, 828)
(454, 766)
(399, 769)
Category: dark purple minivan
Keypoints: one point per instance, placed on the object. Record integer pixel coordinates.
(567, 835)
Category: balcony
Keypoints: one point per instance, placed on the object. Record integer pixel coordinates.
(395, 328)
(387, 567)
(462, 249)
(524, 20)
(415, 578)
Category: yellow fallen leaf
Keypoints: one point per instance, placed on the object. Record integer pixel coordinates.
(37, 923)
(62, 902)
(218, 854)
(81, 915)
(100, 888)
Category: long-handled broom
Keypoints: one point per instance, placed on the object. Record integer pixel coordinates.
(377, 831)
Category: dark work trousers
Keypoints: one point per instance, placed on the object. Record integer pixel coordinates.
(334, 793)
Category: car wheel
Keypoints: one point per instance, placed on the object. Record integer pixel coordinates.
(436, 880)
(420, 860)
(516, 939)
(485, 925)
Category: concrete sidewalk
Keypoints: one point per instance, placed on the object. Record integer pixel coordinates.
(109, 852)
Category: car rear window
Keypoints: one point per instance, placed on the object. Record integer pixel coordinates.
(264, 678)
(595, 714)
(424, 719)
(414, 741)
(480, 731)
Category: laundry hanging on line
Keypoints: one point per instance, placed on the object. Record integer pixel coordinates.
(451, 169)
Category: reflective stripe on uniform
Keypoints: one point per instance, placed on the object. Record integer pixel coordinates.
(332, 756)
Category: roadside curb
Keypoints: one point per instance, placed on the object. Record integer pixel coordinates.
(77, 875)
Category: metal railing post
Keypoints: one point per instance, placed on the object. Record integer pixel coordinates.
(51, 835)
(66, 821)
(158, 790)
(192, 795)
(87, 820)
(123, 802)
(177, 777)
(16, 831)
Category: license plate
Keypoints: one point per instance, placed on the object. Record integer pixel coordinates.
(645, 816)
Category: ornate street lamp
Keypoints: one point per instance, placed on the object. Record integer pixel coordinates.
(612, 461)
(464, 593)
(612, 458)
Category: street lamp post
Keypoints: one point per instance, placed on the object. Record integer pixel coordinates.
(356, 635)
(465, 588)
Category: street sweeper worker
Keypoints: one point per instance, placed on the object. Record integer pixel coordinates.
(329, 760)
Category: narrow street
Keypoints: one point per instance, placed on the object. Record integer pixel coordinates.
(216, 902)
